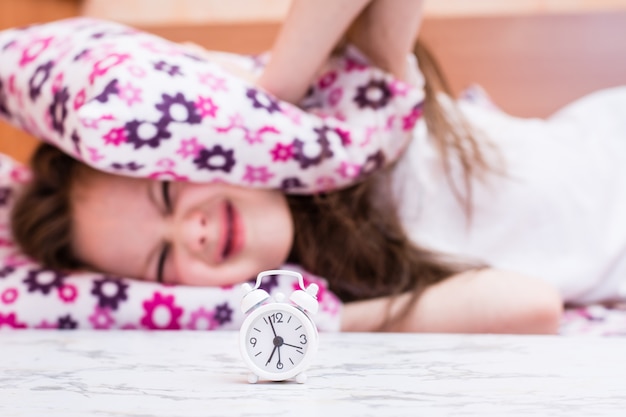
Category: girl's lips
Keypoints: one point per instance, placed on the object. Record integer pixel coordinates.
(232, 235)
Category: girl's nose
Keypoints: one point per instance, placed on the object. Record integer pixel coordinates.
(194, 232)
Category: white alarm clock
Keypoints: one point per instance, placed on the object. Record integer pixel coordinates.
(278, 339)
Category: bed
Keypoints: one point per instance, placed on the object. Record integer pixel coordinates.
(532, 57)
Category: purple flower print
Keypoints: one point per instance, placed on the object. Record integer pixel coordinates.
(39, 78)
(312, 153)
(268, 283)
(110, 292)
(161, 302)
(5, 195)
(85, 52)
(58, 110)
(171, 70)
(373, 163)
(6, 270)
(67, 323)
(129, 166)
(215, 159)
(142, 133)
(375, 94)
(9, 44)
(291, 183)
(223, 314)
(260, 100)
(76, 141)
(178, 109)
(111, 89)
(44, 280)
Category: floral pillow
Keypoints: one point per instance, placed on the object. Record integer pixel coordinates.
(33, 297)
(134, 104)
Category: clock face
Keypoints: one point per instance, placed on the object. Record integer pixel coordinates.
(277, 340)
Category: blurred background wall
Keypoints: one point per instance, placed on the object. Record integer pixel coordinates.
(532, 56)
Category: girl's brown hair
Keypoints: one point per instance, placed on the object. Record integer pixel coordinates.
(352, 237)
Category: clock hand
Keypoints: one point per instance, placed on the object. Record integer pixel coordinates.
(272, 355)
(293, 346)
(279, 364)
(272, 324)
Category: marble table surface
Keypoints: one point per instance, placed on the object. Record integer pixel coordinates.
(131, 373)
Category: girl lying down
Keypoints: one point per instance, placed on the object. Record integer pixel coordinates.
(486, 223)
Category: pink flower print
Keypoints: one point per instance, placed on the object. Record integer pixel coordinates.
(101, 67)
(213, 82)
(9, 295)
(136, 71)
(370, 131)
(34, 49)
(129, 94)
(101, 318)
(335, 96)
(353, 65)
(206, 107)
(189, 147)
(45, 324)
(115, 136)
(282, 152)
(399, 88)
(257, 137)
(348, 170)
(325, 183)
(67, 293)
(344, 135)
(57, 83)
(92, 123)
(202, 319)
(165, 163)
(79, 100)
(161, 313)
(327, 79)
(94, 154)
(21, 174)
(292, 112)
(234, 122)
(409, 121)
(257, 174)
(328, 302)
(6, 243)
(10, 320)
(167, 175)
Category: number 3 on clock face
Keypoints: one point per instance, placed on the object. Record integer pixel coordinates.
(279, 342)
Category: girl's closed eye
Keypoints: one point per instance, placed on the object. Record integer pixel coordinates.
(167, 205)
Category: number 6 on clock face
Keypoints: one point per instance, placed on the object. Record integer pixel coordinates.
(279, 342)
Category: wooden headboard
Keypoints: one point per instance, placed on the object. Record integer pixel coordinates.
(532, 56)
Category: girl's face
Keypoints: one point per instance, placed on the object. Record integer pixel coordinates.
(179, 233)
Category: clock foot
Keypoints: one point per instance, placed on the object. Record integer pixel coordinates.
(301, 378)
(253, 378)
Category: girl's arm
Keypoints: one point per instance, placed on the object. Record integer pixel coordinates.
(486, 301)
(386, 32)
(308, 35)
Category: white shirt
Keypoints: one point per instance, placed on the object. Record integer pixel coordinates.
(559, 212)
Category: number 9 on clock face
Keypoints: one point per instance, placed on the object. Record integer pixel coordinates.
(279, 342)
